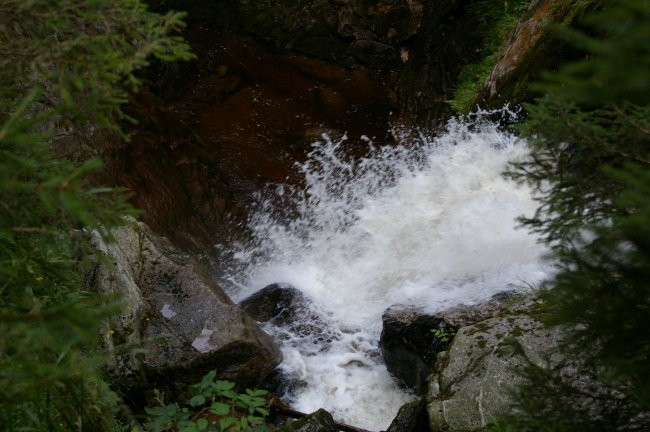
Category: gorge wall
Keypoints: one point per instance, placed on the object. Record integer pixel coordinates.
(270, 77)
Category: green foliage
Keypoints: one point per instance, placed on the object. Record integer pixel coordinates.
(618, 48)
(603, 286)
(587, 120)
(81, 54)
(214, 406)
(497, 20)
(590, 137)
(64, 65)
(443, 335)
(48, 324)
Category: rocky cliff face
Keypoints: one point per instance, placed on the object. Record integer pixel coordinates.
(272, 76)
(425, 42)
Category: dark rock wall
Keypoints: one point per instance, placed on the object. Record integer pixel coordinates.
(444, 44)
(272, 76)
(425, 42)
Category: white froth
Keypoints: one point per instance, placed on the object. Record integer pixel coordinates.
(431, 223)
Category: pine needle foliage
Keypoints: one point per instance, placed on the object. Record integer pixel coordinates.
(65, 65)
(590, 138)
(82, 54)
(594, 113)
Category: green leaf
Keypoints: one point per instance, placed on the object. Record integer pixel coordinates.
(170, 410)
(254, 420)
(220, 408)
(207, 379)
(197, 400)
(222, 386)
(187, 426)
(262, 411)
(202, 424)
(155, 411)
(225, 423)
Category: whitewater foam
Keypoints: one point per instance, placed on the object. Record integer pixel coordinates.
(431, 222)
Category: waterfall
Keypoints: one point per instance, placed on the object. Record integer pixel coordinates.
(430, 222)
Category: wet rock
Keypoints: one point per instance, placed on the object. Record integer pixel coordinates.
(174, 179)
(319, 421)
(474, 378)
(281, 383)
(177, 324)
(525, 38)
(503, 303)
(273, 302)
(292, 315)
(411, 339)
(375, 54)
(409, 343)
(411, 417)
(297, 25)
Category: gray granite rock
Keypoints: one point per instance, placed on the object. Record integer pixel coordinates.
(177, 324)
(474, 378)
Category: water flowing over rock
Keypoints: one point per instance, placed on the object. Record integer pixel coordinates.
(177, 324)
(286, 310)
(474, 378)
(286, 307)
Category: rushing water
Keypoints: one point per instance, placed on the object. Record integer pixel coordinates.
(428, 223)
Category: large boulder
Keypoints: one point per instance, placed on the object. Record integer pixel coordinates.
(501, 304)
(177, 323)
(409, 343)
(474, 378)
(411, 339)
(285, 306)
(292, 315)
